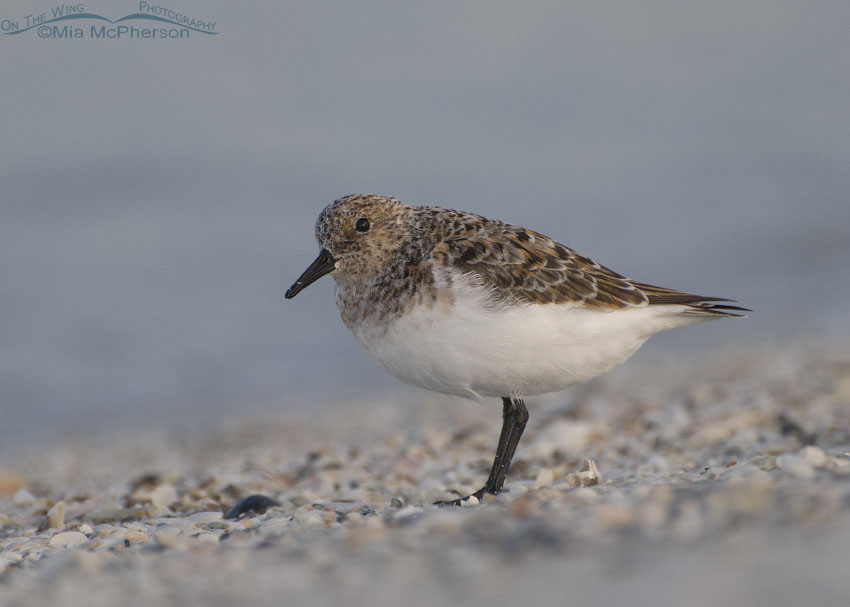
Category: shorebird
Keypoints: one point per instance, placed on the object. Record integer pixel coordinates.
(459, 304)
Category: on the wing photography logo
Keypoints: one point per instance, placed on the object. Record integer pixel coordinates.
(73, 22)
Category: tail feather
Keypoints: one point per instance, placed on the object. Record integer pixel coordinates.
(707, 306)
(699, 304)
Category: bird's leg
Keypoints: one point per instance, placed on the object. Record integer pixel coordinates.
(514, 418)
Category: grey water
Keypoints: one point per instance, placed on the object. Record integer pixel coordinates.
(158, 197)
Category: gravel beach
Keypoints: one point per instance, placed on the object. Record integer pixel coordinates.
(716, 481)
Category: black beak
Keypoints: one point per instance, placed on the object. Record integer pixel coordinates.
(324, 264)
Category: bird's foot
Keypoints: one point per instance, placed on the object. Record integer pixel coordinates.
(469, 500)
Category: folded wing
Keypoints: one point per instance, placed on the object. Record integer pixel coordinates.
(523, 265)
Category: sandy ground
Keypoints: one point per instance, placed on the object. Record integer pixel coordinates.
(724, 481)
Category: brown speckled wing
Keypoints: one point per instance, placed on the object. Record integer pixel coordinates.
(524, 265)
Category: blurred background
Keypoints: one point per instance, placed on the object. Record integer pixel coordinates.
(158, 196)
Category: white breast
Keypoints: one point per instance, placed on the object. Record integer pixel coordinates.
(471, 348)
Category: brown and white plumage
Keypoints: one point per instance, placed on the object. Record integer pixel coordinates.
(456, 303)
(528, 266)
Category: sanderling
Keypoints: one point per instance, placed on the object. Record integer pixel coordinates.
(460, 304)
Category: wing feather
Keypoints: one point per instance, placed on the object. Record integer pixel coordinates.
(524, 265)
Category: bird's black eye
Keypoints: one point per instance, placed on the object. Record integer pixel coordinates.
(362, 225)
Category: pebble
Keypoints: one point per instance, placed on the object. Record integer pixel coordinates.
(275, 524)
(714, 473)
(110, 514)
(136, 537)
(56, 516)
(369, 502)
(181, 525)
(587, 477)
(749, 475)
(23, 497)
(169, 537)
(407, 512)
(163, 496)
(111, 543)
(764, 462)
(838, 464)
(814, 455)
(590, 475)
(68, 539)
(257, 504)
(309, 518)
(796, 466)
(205, 517)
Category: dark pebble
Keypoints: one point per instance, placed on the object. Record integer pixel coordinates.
(252, 503)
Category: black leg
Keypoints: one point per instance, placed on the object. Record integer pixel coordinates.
(514, 418)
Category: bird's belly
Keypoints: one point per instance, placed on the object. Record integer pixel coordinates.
(473, 350)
